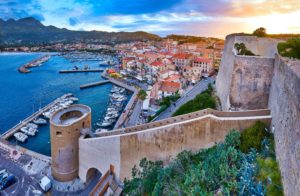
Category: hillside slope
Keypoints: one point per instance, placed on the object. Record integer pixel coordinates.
(31, 31)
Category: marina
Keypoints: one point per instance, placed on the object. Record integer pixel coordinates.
(42, 92)
(116, 105)
(26, 126)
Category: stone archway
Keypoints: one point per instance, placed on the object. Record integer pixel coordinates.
(92, 172)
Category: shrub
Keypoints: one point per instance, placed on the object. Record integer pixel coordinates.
(252, 137)
(242, 49)
(220, 170)
(291, 48)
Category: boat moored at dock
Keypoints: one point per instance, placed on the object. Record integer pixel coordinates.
(21, 137)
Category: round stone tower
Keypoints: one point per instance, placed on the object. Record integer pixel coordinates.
(65, 129)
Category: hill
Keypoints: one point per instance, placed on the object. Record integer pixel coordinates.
(189, 39)
(30, 31)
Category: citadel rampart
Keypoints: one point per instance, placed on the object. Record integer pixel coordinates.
(244, 81)
(285, 109)
(161, 140)
(266, 81)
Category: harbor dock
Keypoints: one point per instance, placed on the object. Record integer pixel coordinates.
(94, 84)
(35, 115)
(107, 80)
(81, 71)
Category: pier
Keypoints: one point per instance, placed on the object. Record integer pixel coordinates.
(81, 71)
(94, 84)
(109, 80)
(18, 126)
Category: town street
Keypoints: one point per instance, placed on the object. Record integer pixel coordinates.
(189, 95)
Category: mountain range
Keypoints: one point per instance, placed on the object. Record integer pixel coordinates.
(29, 31)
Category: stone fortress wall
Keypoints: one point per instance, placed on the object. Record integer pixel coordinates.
(284, 103)
(244, 81)
(266, 81)
(161, 140)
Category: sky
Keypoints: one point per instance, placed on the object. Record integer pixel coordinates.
(214, 18)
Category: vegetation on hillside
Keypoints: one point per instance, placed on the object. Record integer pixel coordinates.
(291, 48)
(223, 169)
(202, 101)
(242, 49)
(164, 104)
(188, 39)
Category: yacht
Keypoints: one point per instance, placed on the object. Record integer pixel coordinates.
(28, 131)
(105, 123)
(32, 125)
(101, 130)
(40, 121)
(21, 137)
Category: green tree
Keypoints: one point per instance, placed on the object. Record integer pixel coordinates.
(260, 32)
(142, 94)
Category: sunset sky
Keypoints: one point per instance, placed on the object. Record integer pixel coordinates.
(194, 17)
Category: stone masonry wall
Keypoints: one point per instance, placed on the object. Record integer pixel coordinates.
(244, 82)
(251, 82)
(162, 142)
(225, 73)
(285, 109)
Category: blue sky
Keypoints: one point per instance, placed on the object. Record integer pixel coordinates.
(194, 17)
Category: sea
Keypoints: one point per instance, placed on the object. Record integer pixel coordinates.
(22, 94)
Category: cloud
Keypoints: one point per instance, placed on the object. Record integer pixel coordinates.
(240, 8)
(196, 17)
(73, 21)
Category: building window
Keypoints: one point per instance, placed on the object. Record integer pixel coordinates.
(58, 133)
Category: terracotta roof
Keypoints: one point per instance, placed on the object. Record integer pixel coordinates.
(171, 87)
(173, 77)
(157, 64)
(182, 56)
(202, 60)
(128, 58)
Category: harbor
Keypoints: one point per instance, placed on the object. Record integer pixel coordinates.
(28, 122)
(35, 63)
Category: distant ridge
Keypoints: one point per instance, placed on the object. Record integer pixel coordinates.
(29, 31)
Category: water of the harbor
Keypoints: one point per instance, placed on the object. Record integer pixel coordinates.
(22, 94)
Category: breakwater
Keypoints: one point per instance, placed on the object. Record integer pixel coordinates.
(35, 63)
